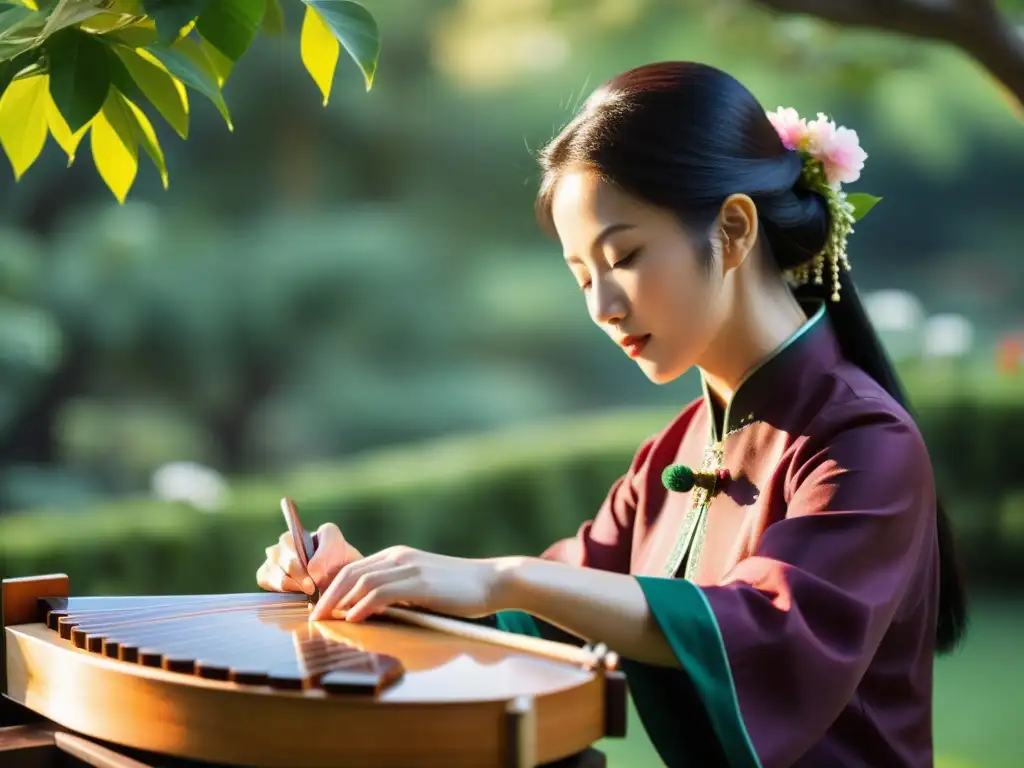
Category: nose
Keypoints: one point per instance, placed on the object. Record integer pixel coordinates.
(608, 304)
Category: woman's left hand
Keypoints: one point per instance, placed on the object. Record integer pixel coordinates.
(401, 575)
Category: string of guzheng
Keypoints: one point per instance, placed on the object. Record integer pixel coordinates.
(596, 657)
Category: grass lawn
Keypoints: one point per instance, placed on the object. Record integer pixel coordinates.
(979, 698)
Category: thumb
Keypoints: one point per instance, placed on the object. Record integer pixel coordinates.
(332, 554)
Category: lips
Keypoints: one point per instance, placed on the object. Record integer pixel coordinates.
(634, 345)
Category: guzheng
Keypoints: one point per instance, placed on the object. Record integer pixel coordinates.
(247, 679)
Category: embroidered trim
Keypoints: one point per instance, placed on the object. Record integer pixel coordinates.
(690, 540)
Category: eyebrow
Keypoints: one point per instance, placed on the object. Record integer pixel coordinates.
(607, 232)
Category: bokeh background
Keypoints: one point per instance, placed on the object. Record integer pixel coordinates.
(351, 305)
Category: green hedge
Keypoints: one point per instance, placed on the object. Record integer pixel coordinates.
(509, 492)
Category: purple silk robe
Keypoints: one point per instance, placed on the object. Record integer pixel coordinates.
(800, 595)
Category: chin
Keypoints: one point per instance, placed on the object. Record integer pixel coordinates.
(660, 374)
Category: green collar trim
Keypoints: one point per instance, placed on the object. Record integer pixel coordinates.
(741, 409)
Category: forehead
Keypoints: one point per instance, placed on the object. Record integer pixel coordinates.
(582, 200)
(586, 209)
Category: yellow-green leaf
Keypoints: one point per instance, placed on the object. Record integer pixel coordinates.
(320, 50)
(146, 137)
(167, 93)
(187, 62)
(356, 30)
(220, 64)
(114, 147)
(61, 131)
(23, 121)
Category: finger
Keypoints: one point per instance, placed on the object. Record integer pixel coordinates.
(331, 555)
(344, 581)
(382, 597)
(289, 563)
(271, 578)
(368, 582)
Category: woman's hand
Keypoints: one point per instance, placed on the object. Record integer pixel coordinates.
(282, 571)
(400, 575)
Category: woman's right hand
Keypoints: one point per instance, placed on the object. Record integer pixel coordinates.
(282, 571)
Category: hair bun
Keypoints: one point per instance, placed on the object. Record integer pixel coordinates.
(795, 222)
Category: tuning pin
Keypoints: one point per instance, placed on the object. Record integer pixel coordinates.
(680, 478)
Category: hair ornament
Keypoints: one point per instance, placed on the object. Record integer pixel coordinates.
(832, 156)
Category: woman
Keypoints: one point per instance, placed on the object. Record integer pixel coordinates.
(773, 567)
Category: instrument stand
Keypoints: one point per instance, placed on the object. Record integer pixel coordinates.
(36, 743)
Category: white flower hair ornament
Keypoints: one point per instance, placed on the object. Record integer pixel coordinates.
(832, 157)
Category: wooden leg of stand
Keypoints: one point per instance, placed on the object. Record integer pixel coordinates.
(92, 754)
(27, 746)
(522, 726)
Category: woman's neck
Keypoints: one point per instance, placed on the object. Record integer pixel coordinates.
(761, 322)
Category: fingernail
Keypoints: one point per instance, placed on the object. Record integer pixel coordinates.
(308, 586)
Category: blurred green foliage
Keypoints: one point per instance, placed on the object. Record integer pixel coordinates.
(500, 492)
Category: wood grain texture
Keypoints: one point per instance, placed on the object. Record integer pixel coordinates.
(459, 701)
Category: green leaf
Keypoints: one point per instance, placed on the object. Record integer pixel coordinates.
(79, 75)
(137, 35)
(171, 16)
(862, 203)
(16, 67)
(158, 85)
(231, 25)
(273, 24)
(356, 30)
(20, 32)
(187, 62)
(69, 14)
(146, 137)
(121, 78)
(220, 64)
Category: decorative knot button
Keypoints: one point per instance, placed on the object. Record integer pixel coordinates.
(680, 478)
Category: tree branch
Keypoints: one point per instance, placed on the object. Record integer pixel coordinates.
(925, 19)
(976, 27)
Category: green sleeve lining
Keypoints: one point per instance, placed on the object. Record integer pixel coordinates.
(685, 616)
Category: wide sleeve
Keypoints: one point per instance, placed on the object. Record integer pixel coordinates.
(606, 541)
(776, 650)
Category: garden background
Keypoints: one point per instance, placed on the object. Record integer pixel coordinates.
(350, 304)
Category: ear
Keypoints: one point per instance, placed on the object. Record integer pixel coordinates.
(737, 227)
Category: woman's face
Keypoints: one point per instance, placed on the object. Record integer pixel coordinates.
(640, 272)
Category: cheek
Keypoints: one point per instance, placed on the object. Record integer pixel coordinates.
(675, 296)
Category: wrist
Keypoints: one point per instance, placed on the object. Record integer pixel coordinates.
(506, 591)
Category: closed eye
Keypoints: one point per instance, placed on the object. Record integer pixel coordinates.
(628, 260)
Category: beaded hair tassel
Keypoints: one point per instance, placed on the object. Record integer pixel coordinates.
(832, 156)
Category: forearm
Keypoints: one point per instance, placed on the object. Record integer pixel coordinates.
(597, 606)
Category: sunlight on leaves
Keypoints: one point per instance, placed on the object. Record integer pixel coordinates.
(319, 50)
(231, 25)
(61, 131)
(356, 30)
(173, 16)
(187, 62)
(166, 93)
(220, 64)
(114, 148)
(23, 121)
(146, 137)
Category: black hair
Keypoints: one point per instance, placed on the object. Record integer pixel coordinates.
(684, 137)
